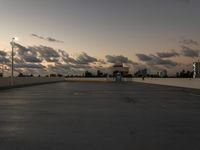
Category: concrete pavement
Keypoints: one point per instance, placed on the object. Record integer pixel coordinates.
(99, 116)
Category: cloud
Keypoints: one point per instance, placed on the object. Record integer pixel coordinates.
(155, 60)
(84, 58)
(167, 54)
(118, 59)
(65, 57)
(49, 39)
(33, 66)
(4, 60)
(2, 53)
(21, 50)
(23, 54)
(46, 53)
(59, 68)
(3, 57)
(29, 60)
(37, 36)
(32, 59)
(189, 52)
(189, 42)
(60, 58)
(37, 53)
(54, 40)
(144, 57)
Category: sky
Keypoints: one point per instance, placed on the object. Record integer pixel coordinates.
(156, 34)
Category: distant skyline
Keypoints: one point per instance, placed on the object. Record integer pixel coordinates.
(82, 35)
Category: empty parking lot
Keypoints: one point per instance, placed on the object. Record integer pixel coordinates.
(99, 116)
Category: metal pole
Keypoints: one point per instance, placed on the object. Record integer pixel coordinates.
(12, 70)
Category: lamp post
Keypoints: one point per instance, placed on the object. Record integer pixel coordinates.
(12, 66)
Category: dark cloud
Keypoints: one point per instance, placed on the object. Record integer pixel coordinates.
(2, 53)
(155, 60)
(59, 69)
(29, 59)
(46, 53)
(143, 57)
(189, 42)
(4, 60)
(49, 39)
(65, 57)
(80, 66)
(189, 52)
(85, 59)
(118, 59)
(37, 36)
(53, 40)
(3, 57)
(63, 63)
(164, 62)
(36, 54)
(167, 54)
(24, 54)
(33, 66)
(32, 59)
(21, 50)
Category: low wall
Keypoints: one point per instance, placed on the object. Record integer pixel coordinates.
(23, 81)
(89, 79)
(178, 82)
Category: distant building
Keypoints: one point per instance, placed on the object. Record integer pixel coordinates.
(196, 69)
(120, 69)
(162, 73)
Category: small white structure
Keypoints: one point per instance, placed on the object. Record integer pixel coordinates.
(119, 68)
(196, 69)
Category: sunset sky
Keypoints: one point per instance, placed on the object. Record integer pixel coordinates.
(93, 34)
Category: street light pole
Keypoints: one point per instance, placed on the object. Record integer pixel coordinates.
(12, 69)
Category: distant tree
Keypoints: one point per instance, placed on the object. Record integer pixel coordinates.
(59, 75)
(88, 74)
(184, 74)
(178, 75)
(141, 73)
(99, 73)
(20, 75)
(105, 75)
(53, 75)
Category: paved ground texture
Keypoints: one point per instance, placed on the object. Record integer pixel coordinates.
(99, 116)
